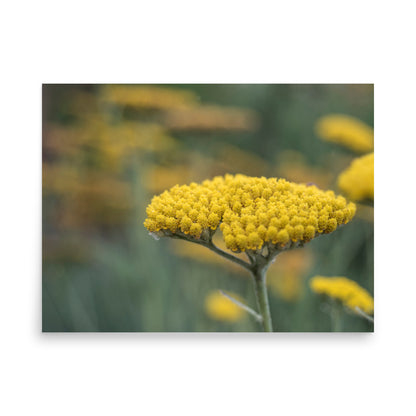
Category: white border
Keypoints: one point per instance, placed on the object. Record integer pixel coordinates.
(288, 374)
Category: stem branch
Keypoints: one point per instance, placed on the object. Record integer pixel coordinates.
(364, 315)
(257, 267)
(228, 256)
(210, 245)
(258, 317)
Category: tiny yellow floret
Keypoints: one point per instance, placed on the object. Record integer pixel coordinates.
(195, 230)
(282, 237)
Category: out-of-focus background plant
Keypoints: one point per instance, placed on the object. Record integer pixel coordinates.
(107, 149)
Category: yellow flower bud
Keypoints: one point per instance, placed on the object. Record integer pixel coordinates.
(213, 221)
(185, 224)
(195, 230)
(282, 237)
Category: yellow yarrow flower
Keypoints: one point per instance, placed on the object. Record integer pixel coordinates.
(357, 181)
(251, 212)
(350, 293)
(148, 96)
(346, 131)
(220, 308)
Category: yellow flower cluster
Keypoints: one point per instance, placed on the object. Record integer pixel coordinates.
(350, 293)
(357, 181)
(346, 131)
(220, 308)
(148, 97)
(251, 212)
(109, 143)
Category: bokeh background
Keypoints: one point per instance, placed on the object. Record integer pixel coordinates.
(107, 149)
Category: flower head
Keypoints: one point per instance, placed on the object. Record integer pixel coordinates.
(346, 131)
(220, 308)
(357, 181)
(251, 212)
(350, 293)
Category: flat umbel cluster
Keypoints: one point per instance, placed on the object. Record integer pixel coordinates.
(251, 212)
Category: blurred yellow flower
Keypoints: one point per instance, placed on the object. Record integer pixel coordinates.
(106, 143)
(286, 275)
(357, 181)
(346, 131)
(350, 293)
(86, 197)
(286, 286)
(220, 308)
(211, 118)
(253, 212)
(152, 97)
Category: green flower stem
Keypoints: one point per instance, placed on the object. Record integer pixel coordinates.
(260, 287)
(257, 267)
(226, 255)
(336, 317)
